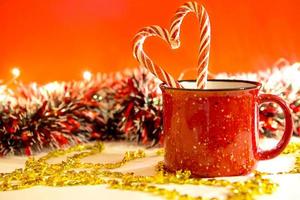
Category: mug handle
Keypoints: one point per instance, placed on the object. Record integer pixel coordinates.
(269, 154)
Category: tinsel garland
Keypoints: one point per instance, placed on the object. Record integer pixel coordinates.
(72, 171)
(109, 107)
(120, 106)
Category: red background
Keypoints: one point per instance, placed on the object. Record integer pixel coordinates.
(58, 39)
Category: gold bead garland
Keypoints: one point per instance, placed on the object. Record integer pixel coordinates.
(72, 171)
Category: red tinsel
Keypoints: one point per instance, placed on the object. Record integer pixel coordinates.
(121, 106)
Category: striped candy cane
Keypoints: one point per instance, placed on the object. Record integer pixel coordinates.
(173, 39)
(203, 57)
(145, 61)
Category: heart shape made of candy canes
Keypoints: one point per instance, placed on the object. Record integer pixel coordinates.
(172, 38)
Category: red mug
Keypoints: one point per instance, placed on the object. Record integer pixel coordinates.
(214, 132)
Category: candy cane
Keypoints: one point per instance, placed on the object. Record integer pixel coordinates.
(145, 61)
(173, 39)
(203, 57)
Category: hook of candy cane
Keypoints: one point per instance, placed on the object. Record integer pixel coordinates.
(173, 39)
(145, 61)
(204, 48)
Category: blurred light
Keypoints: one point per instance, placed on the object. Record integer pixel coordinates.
(87, 75)
(52, 87)
(16, 72)
(2, 89)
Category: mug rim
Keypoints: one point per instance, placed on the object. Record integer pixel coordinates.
(256, 85)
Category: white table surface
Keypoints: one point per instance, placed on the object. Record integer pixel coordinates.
(288, 184)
